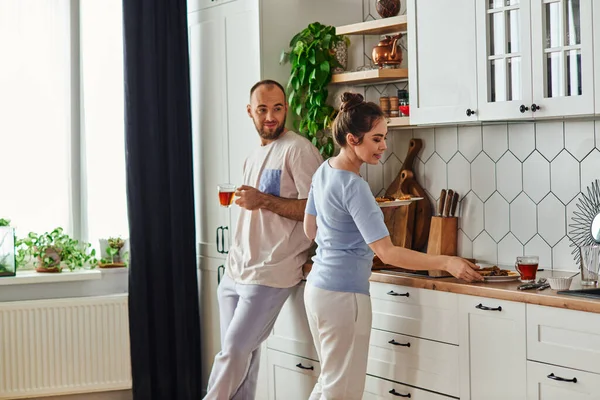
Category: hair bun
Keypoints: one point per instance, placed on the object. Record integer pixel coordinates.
(351, 100)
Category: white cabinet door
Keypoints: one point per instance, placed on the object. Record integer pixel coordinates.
(563, 58)
(291, 377)
(243, 71)
(291, 332)
(548, 382)
(209, 126)
(442, 61)
(381, 389)
(209, 313)
(492, 349)
(504, 60)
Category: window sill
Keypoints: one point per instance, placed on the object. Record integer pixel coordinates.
(29, 277)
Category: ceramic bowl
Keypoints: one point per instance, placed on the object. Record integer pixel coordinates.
(560, 283)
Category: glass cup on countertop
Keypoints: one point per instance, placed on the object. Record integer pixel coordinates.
(527, 267)
(226, 192)
(590, 263)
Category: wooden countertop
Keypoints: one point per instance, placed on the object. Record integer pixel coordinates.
(500, 290)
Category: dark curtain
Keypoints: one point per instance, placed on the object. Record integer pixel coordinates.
(164, 321)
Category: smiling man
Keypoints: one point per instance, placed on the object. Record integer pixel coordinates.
(269, 248)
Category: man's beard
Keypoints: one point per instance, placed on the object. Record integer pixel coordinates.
(271, 135)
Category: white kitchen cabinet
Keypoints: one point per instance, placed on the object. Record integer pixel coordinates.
(380, 389)
(442, 61)
(534, 59)
(563, 337)
(492, 349)
(291, 377)
(195, 5)
(210, 341)
(504, 59)
(549, 382)
(208, 83)
(291, 333)
(414, 361)
(423, 313)
(562, 57)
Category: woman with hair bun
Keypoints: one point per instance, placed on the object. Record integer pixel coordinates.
(344, 219)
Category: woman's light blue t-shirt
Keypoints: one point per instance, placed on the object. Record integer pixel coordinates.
(348, 218)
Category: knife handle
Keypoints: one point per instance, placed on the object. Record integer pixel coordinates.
(441, 203)
(448, 206)
(454, 205)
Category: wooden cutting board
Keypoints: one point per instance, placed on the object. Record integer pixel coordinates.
(422, 218)
(400, 221)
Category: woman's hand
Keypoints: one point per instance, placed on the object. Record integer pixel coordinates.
(462, 269)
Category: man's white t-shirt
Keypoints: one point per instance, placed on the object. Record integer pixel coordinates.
(269, 249)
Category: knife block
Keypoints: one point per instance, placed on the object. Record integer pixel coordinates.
(443, 239)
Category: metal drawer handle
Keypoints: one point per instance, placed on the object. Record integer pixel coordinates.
(558, 378)
(399, 394)
(299, 365)
(392, 293)
(482, 307)
(407, 344)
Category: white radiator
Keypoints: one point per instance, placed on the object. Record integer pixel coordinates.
(64, 346)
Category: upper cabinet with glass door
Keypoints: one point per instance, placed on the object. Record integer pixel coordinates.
(504, 59)
(562, 57)
(535, 58)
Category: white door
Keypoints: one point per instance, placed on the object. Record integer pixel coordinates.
(243, 71)
(291, 377)
(209, 127)
(208, 275)
(504, 59)
(563, 57)
(548, 382)
(442, 61)
(492, 349)
(195, 5)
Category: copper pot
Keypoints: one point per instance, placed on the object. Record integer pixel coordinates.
(387, 51)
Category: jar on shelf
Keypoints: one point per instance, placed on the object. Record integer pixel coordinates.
(394, 110)
(384, 103)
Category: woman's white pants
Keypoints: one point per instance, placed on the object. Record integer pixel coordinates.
(340, 323)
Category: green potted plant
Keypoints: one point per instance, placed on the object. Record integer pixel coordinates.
(52, 251)
(113, 253)
(312, 55)
(7, 249)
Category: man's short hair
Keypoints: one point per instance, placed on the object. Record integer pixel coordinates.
(266, 82)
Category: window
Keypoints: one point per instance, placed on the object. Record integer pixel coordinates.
(62, 152)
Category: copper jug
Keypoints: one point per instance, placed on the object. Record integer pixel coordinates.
(386, 52)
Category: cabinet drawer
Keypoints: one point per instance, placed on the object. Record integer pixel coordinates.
(379, 389)
(413, 361)
(563, 337)
(291, 333)
(417, 312)
(291, 377)
(541, 387)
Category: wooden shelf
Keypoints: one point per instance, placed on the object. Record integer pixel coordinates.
(398, 122)
(376, 27)
(370, 77)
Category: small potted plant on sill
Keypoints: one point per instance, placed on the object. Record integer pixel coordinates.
(113, 251)
(52, 251)
(7, 249)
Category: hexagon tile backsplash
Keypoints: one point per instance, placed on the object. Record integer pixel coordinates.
(519, 183)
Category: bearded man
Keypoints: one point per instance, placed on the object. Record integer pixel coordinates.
(269, 248)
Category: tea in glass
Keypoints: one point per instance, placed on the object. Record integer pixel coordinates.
(226, 192)
(527, 266)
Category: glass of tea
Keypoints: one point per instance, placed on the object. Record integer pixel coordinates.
(226, 191)
(527, 267)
